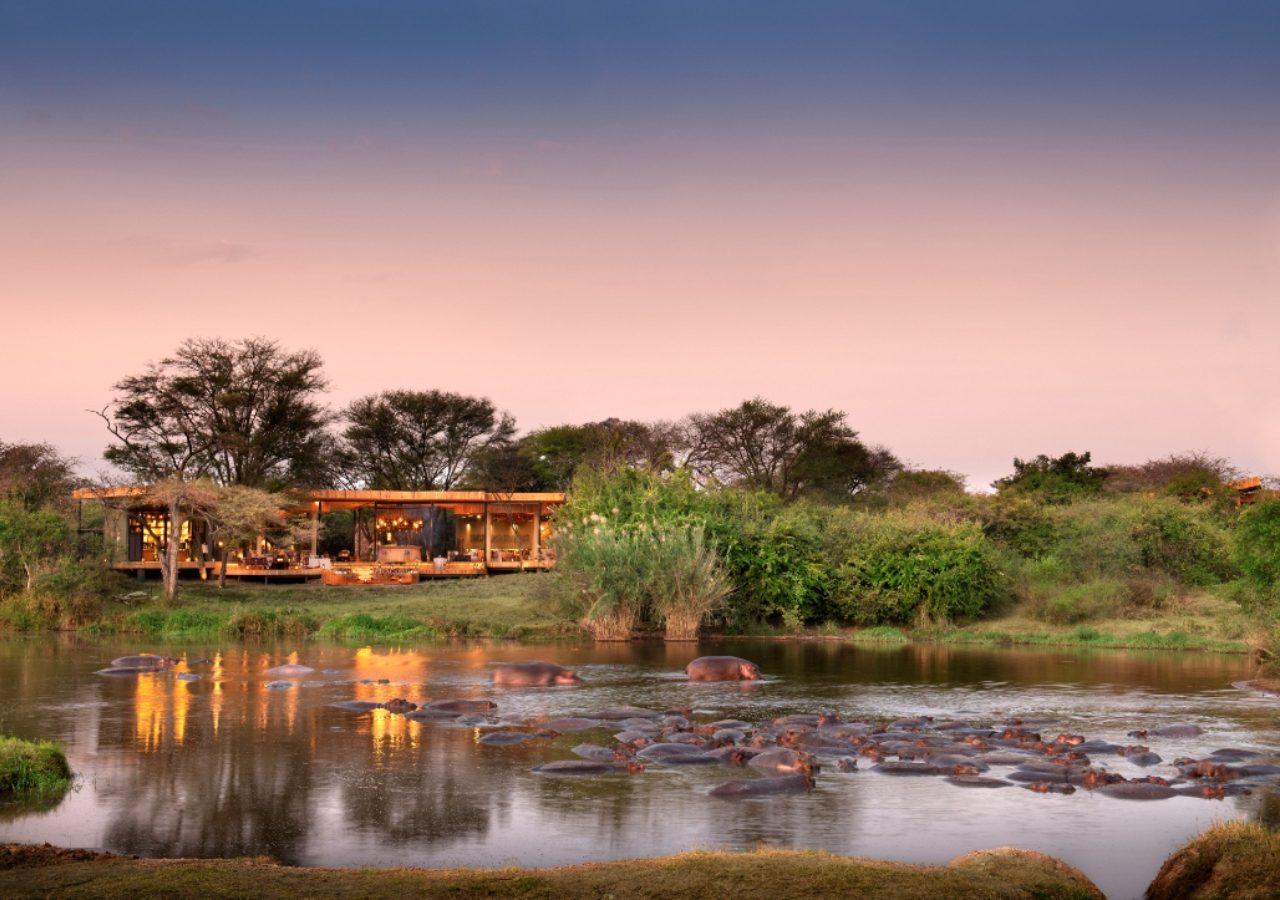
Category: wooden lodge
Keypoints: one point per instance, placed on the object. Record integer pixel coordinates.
(355, 537)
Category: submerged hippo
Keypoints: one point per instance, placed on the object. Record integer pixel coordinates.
(461, 706)
(722, 668)
(144, 661)
(588, 767)
(289, 670)
(764, 787)
(536, 674)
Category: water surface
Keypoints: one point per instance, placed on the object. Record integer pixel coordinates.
(227, 766)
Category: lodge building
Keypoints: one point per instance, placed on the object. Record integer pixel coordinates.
(355, 537)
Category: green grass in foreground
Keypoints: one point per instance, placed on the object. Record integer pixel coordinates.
(764, 874)
(32, 769)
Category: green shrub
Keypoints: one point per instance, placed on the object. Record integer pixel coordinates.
(913, 570)
(1257, 543)
(30, 542)
(1183, 542)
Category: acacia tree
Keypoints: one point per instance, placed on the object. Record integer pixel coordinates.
(764, 445)
(554, 455)
(237, 413)
(35, 475)
(237, 513)
(259, 404)
(420, 440)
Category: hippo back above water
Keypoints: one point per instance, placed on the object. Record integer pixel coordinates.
(537, 674)
(144, 661)
(722, 668)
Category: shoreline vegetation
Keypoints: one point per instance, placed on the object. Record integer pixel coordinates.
(527, 608)
(39, 871)
(32, 772)
(1228, 859)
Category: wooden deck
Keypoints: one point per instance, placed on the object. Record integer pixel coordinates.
(347, 573)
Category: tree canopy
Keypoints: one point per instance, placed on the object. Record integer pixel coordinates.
(420, 440)
(35, 475)
(1055, 479)
(764, 445)
(243, 412)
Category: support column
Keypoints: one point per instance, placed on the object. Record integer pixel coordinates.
(315, 528)
(486, 535)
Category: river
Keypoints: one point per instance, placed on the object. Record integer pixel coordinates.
(225, 765)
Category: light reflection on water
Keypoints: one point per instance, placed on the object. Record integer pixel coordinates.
(227, 766)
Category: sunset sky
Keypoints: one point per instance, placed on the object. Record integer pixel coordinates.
(982, 229)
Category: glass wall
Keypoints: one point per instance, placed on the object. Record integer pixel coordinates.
(149, 536)
(514, 532)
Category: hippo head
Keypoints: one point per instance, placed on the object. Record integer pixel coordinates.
(748, 671)
(564, 676)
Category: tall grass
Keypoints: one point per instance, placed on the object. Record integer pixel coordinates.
(623, 576)
(690, 582)
(32, 767)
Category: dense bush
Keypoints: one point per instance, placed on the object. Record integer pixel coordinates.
(1184, 542)
(1257, 543)
(1115, 538)
(908, 569)
(30, 540)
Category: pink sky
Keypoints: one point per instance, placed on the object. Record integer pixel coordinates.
(965, 298)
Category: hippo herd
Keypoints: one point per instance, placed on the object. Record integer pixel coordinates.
(786, 753)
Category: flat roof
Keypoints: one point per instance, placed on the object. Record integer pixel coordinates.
(330, 495)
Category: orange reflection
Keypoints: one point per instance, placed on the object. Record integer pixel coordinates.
(148, 709)
(391, 734)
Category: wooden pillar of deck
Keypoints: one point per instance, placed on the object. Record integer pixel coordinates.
(486, 534)
(315, 528)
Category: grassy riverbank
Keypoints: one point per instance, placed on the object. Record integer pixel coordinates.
(32, 770)
(764, 874)
(527, 607)
(512, 606)
(1236, 860)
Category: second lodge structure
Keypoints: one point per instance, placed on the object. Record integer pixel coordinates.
(368, 537)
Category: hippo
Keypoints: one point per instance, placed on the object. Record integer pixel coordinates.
(599, 754)
(461, 706)
(357, 705)
(587, 767)
(781, 761)
(977, 781)
(1046, 787)
(907, 768)
(1138, 790)
(399, 705)
(572, 724)
(534, 674)
(144, 661)
(289, 670)
(128, 670)
(764, 787)
(722, 668)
